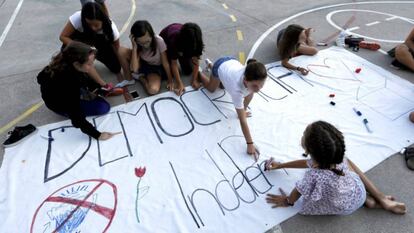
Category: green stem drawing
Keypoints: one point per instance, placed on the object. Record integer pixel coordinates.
(136, 201)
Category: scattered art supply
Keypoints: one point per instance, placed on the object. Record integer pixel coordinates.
(332, 103)
(357, 112)
(331, 95)
(366, 125)
(358, 70)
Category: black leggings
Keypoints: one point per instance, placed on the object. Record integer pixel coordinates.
(105, 54)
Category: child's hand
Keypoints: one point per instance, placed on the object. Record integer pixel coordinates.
(133, 42)
(195, 84)
(107, 135)
(251, 150)
(303, 71)
(179, 90)
(277, 200)
(275, 165)
(170, 86)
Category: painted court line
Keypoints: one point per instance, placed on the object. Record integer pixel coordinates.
(131, 16)
(353, 28)
(242, 57)
(239, 35)
(10, 23)
(233, 18)
(23, 116)
(271, 29)
(225, 6)
(391, 18)
(373, 23)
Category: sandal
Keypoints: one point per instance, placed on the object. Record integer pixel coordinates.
(409, 157)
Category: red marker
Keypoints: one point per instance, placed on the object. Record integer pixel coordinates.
(331, 95)
(358, 70)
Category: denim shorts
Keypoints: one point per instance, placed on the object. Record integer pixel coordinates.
(217, 64)
(147, 69)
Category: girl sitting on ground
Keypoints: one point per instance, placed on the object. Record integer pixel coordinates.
(66, 88)
(333, 185)
(148, 57)
(404, 53)
(294, 41)
(184, 45)
(241, 82)
(93, 26)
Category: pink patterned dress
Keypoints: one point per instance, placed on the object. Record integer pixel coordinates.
(326, 193)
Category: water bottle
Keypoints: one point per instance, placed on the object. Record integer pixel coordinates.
(340, 41)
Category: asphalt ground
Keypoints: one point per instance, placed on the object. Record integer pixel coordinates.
(30, 36)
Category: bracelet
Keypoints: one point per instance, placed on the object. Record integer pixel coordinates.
(288, 202)
(298, 68)
(249, 143)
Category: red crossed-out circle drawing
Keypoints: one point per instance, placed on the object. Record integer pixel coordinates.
(98, 186)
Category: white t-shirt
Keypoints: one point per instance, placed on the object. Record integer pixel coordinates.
(231, 74)
(76, 22)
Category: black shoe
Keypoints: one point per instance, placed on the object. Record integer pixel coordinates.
(19, 134)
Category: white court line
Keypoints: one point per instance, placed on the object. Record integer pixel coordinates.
(10, 23)
(352, 29)
(391, 18)
(271, 29)
(131, 16)
(382, 51)
(371, 24)
(331, 22)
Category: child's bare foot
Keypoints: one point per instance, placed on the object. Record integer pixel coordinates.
(393, 206)
(373, 204)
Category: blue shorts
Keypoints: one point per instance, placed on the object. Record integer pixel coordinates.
(147, 69)
(217, 64)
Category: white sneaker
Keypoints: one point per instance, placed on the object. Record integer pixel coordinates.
(137, 76)
(125, 83)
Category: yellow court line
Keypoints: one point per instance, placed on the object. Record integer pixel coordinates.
(225, 6)
(27, 113)
(131, 16)
(242, 57)
(233, 18)
(35, 107)
(239, 35)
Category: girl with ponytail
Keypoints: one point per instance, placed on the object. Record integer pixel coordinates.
(333, 184)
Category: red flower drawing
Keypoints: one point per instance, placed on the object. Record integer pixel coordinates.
(140, 172)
